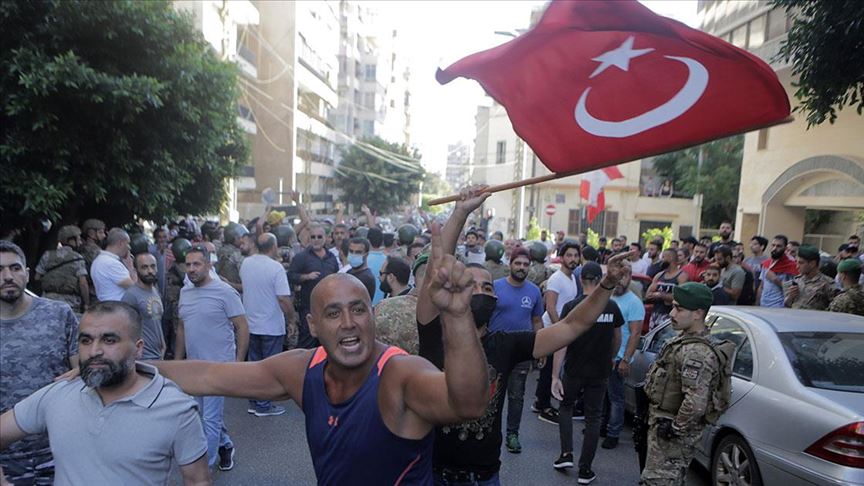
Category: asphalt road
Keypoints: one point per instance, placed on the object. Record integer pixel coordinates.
(273, 451)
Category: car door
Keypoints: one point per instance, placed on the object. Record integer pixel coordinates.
(729, 328)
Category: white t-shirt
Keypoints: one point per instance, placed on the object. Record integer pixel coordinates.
(263, 280)
(107, 272)
(640, 266)
(567, 290)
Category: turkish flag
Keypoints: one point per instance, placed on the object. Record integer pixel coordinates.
(599, 83)
(591, 189)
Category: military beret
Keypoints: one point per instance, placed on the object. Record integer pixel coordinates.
(849, 265)
(692, 296)
(421, 259)
(808, 252)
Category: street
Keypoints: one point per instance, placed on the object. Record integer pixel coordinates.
(273, 451)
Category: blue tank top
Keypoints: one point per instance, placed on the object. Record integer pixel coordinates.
(349, 442)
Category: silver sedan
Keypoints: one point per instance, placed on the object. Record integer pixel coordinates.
(797, 411)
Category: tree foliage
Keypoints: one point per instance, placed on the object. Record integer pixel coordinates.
(112, 109)
(826, 47)
(718, 179)
(382, 177)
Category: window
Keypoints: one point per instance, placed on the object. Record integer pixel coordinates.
(757, 31)
(739, 36)
(560, 198)
(665, 333)
(500, 152)
(685, 231)
(725, 328)
(392, 103)
(826, 360)
(369, 100)
(610, 223)
(370, 72)
(762, 143)
(776, 23)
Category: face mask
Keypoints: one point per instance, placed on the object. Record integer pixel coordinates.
(355, 260)
(385, 287)
(482, 306)
(213, 258)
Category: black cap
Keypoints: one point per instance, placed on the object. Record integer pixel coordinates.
(591, 271)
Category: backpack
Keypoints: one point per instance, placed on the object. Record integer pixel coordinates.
(721, 398)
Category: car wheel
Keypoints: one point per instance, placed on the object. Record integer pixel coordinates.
(734, 464)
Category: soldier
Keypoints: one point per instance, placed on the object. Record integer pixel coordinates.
(406, 234)
(811, 289)
(229, 256)
(494, 251)
(688, 386)
(93, 231)
(173, 283)
(396, 317)
(63, 272)
(851, 299)
(538, 272)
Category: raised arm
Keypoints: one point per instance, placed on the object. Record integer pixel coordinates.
(469, 200)
(583, 316)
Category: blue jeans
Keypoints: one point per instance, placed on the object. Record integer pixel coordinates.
(516, 395)
(212, 409)
(262, 347)
(493, 481)
(615, 395)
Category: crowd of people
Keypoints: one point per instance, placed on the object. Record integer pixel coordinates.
(400, 347)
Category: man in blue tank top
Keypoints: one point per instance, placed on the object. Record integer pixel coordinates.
(372, 424)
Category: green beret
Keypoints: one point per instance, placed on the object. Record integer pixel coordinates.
(849, 265)
(421, 259)
(692, 296)
(808, 252)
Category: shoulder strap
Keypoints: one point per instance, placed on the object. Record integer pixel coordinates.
(386, 355)
(318, 357)
(77, 259)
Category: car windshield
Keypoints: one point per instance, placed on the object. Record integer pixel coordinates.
(829, 360)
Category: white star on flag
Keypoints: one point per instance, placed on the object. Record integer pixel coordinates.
(619, 57)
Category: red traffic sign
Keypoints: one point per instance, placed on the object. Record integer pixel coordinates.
(550, 209)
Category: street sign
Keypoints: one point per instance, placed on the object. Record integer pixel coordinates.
(550, 209)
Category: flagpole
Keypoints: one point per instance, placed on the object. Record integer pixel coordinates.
(561, 175)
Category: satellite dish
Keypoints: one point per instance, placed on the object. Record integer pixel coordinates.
(268, 196)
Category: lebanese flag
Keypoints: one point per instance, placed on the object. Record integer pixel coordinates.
(597, 83)
(591, 189)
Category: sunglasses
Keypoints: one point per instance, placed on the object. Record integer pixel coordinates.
(316, 237)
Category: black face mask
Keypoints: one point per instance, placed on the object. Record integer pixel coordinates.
(482, 306)
(385, 287)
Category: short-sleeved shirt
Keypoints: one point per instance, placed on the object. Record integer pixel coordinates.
(206, 312)
(375, 261)
(476, 445)
(632, 309)
(263, 280)
(567, 288)
(131, 441)
(733, 277)
(307, 261)
(772, 294)
(34, 349)
(590, 355)
(149, 305)
(367, 278)
(107, 273)
(516, 306)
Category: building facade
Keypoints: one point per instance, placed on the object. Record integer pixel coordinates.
(458, 171)
(789, 171)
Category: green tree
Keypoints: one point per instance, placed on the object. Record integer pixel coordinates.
(379, 174)
(115, 110)
(434, 186)
(718, 179)
(826, 47)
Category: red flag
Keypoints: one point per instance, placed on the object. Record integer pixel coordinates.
(591, 189)
(599, 83)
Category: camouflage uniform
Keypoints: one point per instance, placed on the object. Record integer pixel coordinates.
(90, 251)
(396, 322)
(498, 270)
(229, 263)
(850, 301)
(59, 271)
(171, 308)
(813, 293)
(34, 348)
(538, 273)
(679, 386)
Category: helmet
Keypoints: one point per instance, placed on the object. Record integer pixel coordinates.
(407, 233)
(138, 243)
(538, 251)
(494, 250)
(179, 247)
(95, 224)
(233, 232)
(362, 232)
(285, 235)
(66, 232)
(210, 229)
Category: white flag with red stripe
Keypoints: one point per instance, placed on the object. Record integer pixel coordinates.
(591, 189)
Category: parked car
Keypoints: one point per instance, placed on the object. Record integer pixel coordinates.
(797, 408)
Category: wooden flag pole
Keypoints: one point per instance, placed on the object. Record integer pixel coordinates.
(561, 175)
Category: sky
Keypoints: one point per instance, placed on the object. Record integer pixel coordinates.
(435, 33)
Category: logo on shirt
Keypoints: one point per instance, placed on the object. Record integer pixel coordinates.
(526, 302)
(606, 318)
(333, 421)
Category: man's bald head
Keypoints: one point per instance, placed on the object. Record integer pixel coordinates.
(266, 243)
(336, 284)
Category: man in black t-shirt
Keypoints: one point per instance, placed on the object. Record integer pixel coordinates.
(589, 361)
(469, 452)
